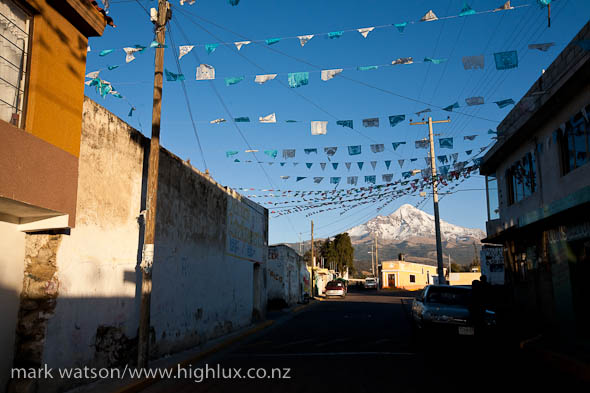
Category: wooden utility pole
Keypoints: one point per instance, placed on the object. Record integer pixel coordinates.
(376, 260)
(439, 256)
(372, 261)
(147, 258)
(312, 284)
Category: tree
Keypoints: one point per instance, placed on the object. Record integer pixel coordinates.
(344, 252)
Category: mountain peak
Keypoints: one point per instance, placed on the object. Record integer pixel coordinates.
(409, 222)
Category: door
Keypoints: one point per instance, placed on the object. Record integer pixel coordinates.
(391, 280)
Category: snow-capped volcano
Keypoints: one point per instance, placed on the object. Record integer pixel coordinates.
(410, 222)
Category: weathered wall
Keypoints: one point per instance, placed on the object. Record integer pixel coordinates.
(284, 274)
(200, 289)
(12, 244)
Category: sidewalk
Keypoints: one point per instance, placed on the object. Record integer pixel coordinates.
(193, 355)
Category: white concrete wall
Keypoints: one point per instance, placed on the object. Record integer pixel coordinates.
(200, 289)
(12, 257)
(284, 274)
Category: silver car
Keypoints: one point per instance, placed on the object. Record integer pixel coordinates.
(444, 307)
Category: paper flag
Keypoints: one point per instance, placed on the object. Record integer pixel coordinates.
(446, 143)
(542, 47)
(288, 153)
(429, 16)
(401, 26)
(329, 74)
(504, 103)
(218, 121)
(423, 111)
(105, 52)
(318, 180)
(172, 77)
(319, 127)
(365, 31)
(308, 164)
(264, 78)
(268, 118)
(371, 122)
(421, 144)
(300, 178)
(442, 159)
(387, 177)
(401, 163)
(285, 177)
(335, 165)
(360, 165)
(377, 148)
(298, 79)
(397, 144)
(93, 74)
(506, 60)
(205, 72)
(451, 107)
(396, 119)
(469, 137)
(352, 180)
(272, 41)
(210, 48)
(239, 44)
(335, 180)
(373, 164)
(406, 175)
(454, 157)
(183, 50)
(330, 151)
(129, 54)
(347, 165)
(233, 80)
(335, 34)
(468, 152)
(403, 60)
(309, 151)
(230, 153)
(471, 101)
(473, 62)
(387, 164)
(156, 44)
(131, 111)
(271, 153)
(434, 61)
(367, 68)
(303, 39)
(232, 2)
(506, 6)
(344, 123)
(467, 10)
(323, 165)
(371, 179)
(243, 119)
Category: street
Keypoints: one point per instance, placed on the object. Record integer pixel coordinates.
(362, 343)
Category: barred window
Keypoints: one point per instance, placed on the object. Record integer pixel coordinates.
(14, 45)
(521, 179)
(575, 141)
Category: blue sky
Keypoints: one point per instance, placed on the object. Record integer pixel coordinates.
(355, 95)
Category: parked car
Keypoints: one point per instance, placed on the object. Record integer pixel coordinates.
(444, 308)
(370, 283)
(335, 288)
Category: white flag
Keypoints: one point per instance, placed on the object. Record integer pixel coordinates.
(319, 127)
(205, 72)
(239, 44)
(506, 6)
(88, 48)
(403, 60)
(365, 31)
(268, 119)
(303, 39)
(429, 16)
(183, 50)
(93, 74)
(129, 57)
(217, 121)
(264, 78)
(329, 74)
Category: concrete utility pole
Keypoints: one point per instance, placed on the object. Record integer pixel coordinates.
(312, 289)
(147, 258)
(372, 261)
(439, 256)
(376, 260)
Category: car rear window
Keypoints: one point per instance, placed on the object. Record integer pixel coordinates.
(449, 295)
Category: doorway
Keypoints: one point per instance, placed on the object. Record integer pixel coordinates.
(391, 280)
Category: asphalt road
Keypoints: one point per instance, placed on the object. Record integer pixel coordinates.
(363, 343)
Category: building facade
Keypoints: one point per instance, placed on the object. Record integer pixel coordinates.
(284, 278)
(407, 275)
(538, 181)
(43, 47)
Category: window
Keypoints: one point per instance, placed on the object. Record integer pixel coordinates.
(575, 150)
(412, 278)
(492, 194)
(14, 45)
(521, 179)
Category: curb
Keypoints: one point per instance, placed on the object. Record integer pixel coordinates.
(303, 306)
(144, 383)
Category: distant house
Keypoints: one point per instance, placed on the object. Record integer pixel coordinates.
(407, 275)
(284, 275)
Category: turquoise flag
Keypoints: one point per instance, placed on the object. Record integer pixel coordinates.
(467, 10)
(335, 34)
(298, 79)
(504, 103)
(233, 80)
(344, 123)
(105, 52)
(370, 179)
(396, 119)
(110, 68)
(172, 77)
(354, 150)
(243, 119)
(451, 107)
(210, 48)
(300, 178)
(335, 180)
(360, 165)
(387, 163)
(230, 153)
(397, 144)
(131, 112)
(156, 44)
(271, 153)
(272, 41)
(367, 68)
(506, 60)
(401, 26)
(308, 164)
(335, 165)
(446, 143)
(434, 61)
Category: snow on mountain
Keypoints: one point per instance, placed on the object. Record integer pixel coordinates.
(408, 222)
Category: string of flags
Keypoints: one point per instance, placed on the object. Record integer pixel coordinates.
(304, 39)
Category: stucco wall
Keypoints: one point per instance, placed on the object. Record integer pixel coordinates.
(12, 257)
(200, 289)
(284, 274)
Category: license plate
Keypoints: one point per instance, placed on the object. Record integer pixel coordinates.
(466, 331)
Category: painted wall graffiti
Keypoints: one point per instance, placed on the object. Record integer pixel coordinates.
(245, 231)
